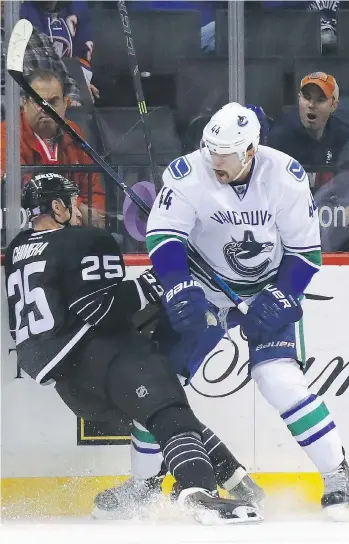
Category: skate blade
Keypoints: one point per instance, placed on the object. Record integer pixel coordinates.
(338, 512)
(245, 515)
(259, 507)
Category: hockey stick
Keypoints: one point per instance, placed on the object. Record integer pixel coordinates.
(138, 88)
(15, 56)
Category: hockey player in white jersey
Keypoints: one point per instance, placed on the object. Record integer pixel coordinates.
(248, 210)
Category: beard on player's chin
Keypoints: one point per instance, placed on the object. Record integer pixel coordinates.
(222, 175)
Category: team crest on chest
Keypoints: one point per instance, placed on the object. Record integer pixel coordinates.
(235, 252)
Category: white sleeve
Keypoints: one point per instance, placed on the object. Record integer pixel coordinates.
(172, 216)
(297, 216)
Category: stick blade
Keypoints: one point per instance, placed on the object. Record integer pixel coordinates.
(18, 43)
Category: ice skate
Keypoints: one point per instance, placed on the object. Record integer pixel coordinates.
(130, 499)
(335, 499)
(240, 487)
(209, 509)
(243, 488)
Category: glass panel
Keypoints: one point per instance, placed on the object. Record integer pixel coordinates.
(311, 125)
(184, 80)
(92, 200)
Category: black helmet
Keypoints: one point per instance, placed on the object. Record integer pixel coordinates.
(42, 189)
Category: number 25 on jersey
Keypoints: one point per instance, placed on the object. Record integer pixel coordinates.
(35, 297)
(109, 266)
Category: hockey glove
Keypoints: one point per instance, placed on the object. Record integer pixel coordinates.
(271, 310)
(186, 306)
(151, 286)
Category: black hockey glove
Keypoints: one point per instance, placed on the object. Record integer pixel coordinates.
(151, 286)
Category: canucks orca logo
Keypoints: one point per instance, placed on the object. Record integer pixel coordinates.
(242, 120)
(235, 251)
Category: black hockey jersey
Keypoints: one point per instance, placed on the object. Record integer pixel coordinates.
(62, 284)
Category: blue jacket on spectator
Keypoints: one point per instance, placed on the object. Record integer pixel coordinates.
(57, 29)
(289, 135)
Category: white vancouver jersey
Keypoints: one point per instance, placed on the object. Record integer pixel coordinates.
(242, 232)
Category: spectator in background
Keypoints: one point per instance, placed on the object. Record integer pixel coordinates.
(312, 135)
(328, 21)
(41, 54)
(42, 141)
(69, 29)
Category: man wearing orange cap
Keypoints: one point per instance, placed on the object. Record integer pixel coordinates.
(312, 135)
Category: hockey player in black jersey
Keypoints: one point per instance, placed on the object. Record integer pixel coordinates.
(186, 354)
(70, 315)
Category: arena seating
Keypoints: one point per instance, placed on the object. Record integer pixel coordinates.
(343, 33)
(289, 34)
(123, 136)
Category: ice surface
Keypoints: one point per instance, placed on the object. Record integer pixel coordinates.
(93, 532)
(288, 520)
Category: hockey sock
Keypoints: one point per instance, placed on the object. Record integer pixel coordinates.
(223, 461)
(186, 459)
(315, 431)
(285, 387)
(178, 432)
(146, 455)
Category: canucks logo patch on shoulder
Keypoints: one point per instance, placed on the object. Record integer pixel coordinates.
(296, 170)
(179, 168)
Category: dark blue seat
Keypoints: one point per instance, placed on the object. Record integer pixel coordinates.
(203, 86)
(286, 33)
(123, 136)
(160, 37)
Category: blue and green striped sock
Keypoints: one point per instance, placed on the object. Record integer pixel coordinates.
(311, 424)
(146, 455)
